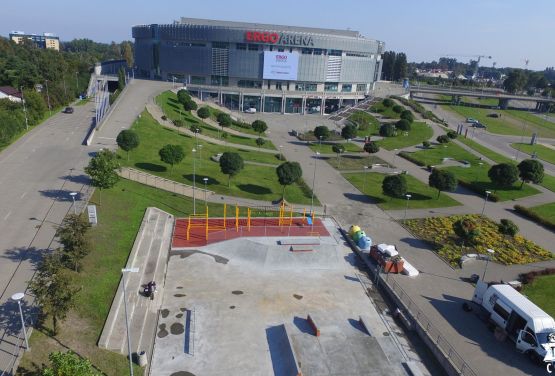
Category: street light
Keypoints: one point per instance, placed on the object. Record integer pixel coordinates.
(485, 200)
(200, 155)
(17, 297)
(320, 145)
(364, 180)
(491, 252)
(48, 97)
(407, 206)
(205, 182)
(394, 156)
(280, 152)
(24, 110)
(73, 194)
(313, 181)
(123, 271)
(194, 183)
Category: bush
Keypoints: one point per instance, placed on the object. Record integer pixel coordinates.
(178, 123)
(407, 115)
(388, 102)
(452, 135)
(410, 158)
(394, 186)
(426, 144)
(194, 128)
(397, 109)
(503, 175)
(531, 276)
(534, 217)
(387, 130)
(442, 139)
(349, 132)
(164, 117)
(403, 125)
(322, 131)
(203, 112)
(477, 189)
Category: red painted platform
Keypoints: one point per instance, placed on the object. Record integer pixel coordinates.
(260, 227)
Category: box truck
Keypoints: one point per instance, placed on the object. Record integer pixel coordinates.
(526, 324)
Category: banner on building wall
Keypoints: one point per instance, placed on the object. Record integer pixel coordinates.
(280, 65)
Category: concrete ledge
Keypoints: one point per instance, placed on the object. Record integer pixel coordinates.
(362, 322)
(313, 325)
(300, 248)
(297, 241)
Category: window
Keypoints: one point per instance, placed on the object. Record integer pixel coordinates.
(529, 338)
(198, 80)
(306, 51)
(501, 311)
(361, 87)
(310, 87)
(249, 84)
(318, 51)
(357, 54)
(219, 80)
(252, 47)
(299, 86)
(347, 88)
(330, 86)
(241, 46)
(278, 85)
(220, 45)
(334, 53)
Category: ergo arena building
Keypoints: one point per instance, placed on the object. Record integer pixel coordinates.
(272, 68)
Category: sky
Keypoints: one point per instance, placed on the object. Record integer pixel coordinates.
(511, 31)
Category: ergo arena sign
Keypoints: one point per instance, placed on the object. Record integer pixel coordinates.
(279, 38)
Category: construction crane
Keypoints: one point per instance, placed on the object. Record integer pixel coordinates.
(478, 57)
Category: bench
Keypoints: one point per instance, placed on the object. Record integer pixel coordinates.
(301, 248)
(299, 241)
(313, 325)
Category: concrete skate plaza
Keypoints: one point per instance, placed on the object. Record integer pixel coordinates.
(226, 308)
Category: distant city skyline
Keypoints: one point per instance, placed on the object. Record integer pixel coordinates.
(510, 31)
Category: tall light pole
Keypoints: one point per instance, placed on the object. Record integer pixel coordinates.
(200, 155)
(194, 183)
(491, 252)
(17, 297)
(123, 271)
(48, 97)
(394, 156)
(407, 206)
(24, 110)
(364, 180)
(320, 143)
(205, 182)
(280, 152)
(73, 194)
(77, 83)
(313, 181)
(485, 200)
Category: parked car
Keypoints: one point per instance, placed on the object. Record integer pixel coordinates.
(471, 120)
(478, 125)
(68, 110)
(250, 110)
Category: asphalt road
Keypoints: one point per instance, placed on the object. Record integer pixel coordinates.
(37, 174)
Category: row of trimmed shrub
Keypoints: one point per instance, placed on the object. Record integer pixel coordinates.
(531, 276)
(410, 158)
(419, 108)
(534, 217)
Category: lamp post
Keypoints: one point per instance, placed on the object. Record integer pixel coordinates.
(491, 252)
(408, 196)
(485, 200)
(364, 180)
(320, 143)
(123, 271)
(73, 194)
(313, 181)
(394, 156)
(48, 97)
(194, 183)
(24, 109)
(17, 297)
(205, 182)
(200, 155)
(77, 82)
(280, 152)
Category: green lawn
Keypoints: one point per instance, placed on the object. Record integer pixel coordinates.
(173, 110)
(120, 216)
(235, 125)
(385, 111)
(423, 196)
(485, 151)
(353, 162)
(256, 182)
(511, 122)
(419, 132)
(543, 152)
(367, 124)
(476, 174)
(546, 211)
(540, 291)
(327, 148)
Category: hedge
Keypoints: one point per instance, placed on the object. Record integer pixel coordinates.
(534, 217)
(477, 189)
(410, 158)
(419, 108)
(531, 276)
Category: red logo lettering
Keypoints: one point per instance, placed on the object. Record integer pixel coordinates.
(255, 36)
(248, 35)
(274, 37)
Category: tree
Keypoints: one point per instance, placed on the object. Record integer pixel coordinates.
(503, 175)
(515, 81)
(397, 109)
(394, 185)
(203, 112)
(68, 364)
(231, 164)
(403, 125)
(103, 169)
(349, 131)
(260, 141)
(387, 102)
(530, 170)
(387, 130)
(442, 181)
(400, 67)
(467, 230)
(452, 135)
(443, 139)
(72, 234)
(189, 105)
(388, 65)
(259, 126)
(288, 173)
(322, 132)
(371, 148)
(507, 227)
(426, 144)
(171, 154)
(183, 96)
(338, 149)
(127, 140)
(127, 52)
(53, 289)
(121, 78)
(224, 120)
(407, 115)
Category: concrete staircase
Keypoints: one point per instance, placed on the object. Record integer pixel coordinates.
(150, 255)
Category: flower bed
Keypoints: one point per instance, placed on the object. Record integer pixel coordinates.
(508, 250)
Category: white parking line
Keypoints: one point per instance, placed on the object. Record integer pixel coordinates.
(7, 215)
(23, 195)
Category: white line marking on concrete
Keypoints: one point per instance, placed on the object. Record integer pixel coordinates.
(7, 215)
(108, 138)
(23, 195)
